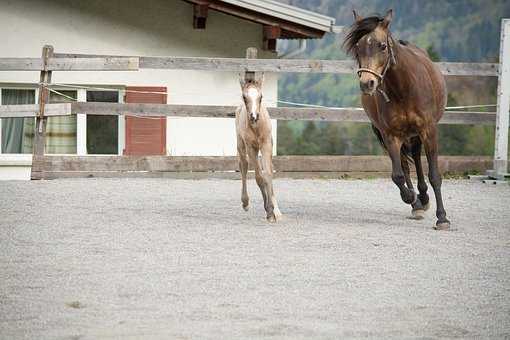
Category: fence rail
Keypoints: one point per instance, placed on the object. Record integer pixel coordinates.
(280, 113)
(84, 62)
(196, 166)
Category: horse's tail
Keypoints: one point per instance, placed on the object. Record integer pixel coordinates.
(407, 150)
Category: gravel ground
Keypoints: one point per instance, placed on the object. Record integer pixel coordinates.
(162, 258)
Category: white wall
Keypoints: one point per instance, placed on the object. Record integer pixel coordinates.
(149, 28)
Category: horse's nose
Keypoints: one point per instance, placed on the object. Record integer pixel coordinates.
(368, 86)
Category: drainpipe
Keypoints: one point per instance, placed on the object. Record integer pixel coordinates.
(297, 51)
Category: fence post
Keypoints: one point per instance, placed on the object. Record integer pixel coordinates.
(500, 170)
(40, 126)
(251, 53)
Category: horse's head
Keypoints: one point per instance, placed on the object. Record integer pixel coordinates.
(369, 42)
(252, 96)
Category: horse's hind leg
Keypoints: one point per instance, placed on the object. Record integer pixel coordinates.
(417, 208)
(243, 167)
(397, 174)
(422, 185)
(431, 150)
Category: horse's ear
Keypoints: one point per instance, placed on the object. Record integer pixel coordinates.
(357, 17)
(242, 81)
(387, 19)
(260, 79)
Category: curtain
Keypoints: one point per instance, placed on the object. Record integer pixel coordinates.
(16, 130)
(61, 130)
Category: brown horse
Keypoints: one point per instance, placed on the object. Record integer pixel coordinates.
(404, 95)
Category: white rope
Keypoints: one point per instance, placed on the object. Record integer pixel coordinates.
(197, 94)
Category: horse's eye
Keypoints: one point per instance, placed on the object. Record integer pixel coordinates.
(383, 46)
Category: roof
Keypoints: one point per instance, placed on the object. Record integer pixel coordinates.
(294, 22)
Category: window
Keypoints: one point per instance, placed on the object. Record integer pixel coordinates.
(87, 134)
(102, 131)
(17, 133)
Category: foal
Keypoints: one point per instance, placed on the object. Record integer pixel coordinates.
(253, 128)
(404, 95)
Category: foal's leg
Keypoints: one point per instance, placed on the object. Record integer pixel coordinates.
(431, 150)
(422, 185)
(267, 167)
(243, 167)
(394, 145)
(417, 211)
(253, 153)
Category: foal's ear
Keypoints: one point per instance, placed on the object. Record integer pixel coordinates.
(242, 81)
(260, 80)
(387, 19)
(357, 17)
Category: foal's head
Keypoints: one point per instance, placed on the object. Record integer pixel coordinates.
(252, 96)
(369, 42)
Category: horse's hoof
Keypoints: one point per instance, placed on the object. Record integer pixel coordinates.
(418, 214)
(426, 206)
(277, 214)
(271, 218)
(442, 225)
(409, 200)
(246, 207)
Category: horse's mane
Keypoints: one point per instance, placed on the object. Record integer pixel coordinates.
(358, 30)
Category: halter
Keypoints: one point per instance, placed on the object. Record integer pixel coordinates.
(390, 61)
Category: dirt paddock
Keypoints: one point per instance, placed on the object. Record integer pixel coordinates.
(166, 258)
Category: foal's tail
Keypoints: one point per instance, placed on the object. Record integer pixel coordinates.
(407, 150)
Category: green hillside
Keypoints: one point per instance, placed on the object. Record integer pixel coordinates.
(453, 30)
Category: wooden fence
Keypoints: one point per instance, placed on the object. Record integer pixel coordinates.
(45, 166)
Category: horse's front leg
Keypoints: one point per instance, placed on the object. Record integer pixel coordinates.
(394, 146)
(243, 167)
(267, 167)
(259, 178)
(431, 150)
(417, 209)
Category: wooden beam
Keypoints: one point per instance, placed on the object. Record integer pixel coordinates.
(32, 110)
(356, 115)
(200, 15)
(40, 123)
(20, 64)
(90, 62)
(296, 65)
(457, 164)
(279, 113)
(94, 64)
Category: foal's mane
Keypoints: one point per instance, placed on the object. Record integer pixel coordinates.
(358, 30)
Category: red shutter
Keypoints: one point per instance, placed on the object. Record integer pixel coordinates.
(145, 136)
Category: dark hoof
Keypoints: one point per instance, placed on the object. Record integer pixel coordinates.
(417, 214)
(246, 207)
(410, 197)
(424, 199)
(426, 206)
(442, 225)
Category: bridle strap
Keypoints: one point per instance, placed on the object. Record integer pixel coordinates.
(390, 61)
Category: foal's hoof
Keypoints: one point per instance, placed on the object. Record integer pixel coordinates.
(277, 214)
(271, 218)
(442, 225)
(426, 206)
(246, 207)
(417, 214)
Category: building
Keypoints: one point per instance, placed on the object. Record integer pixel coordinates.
(198, 28)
